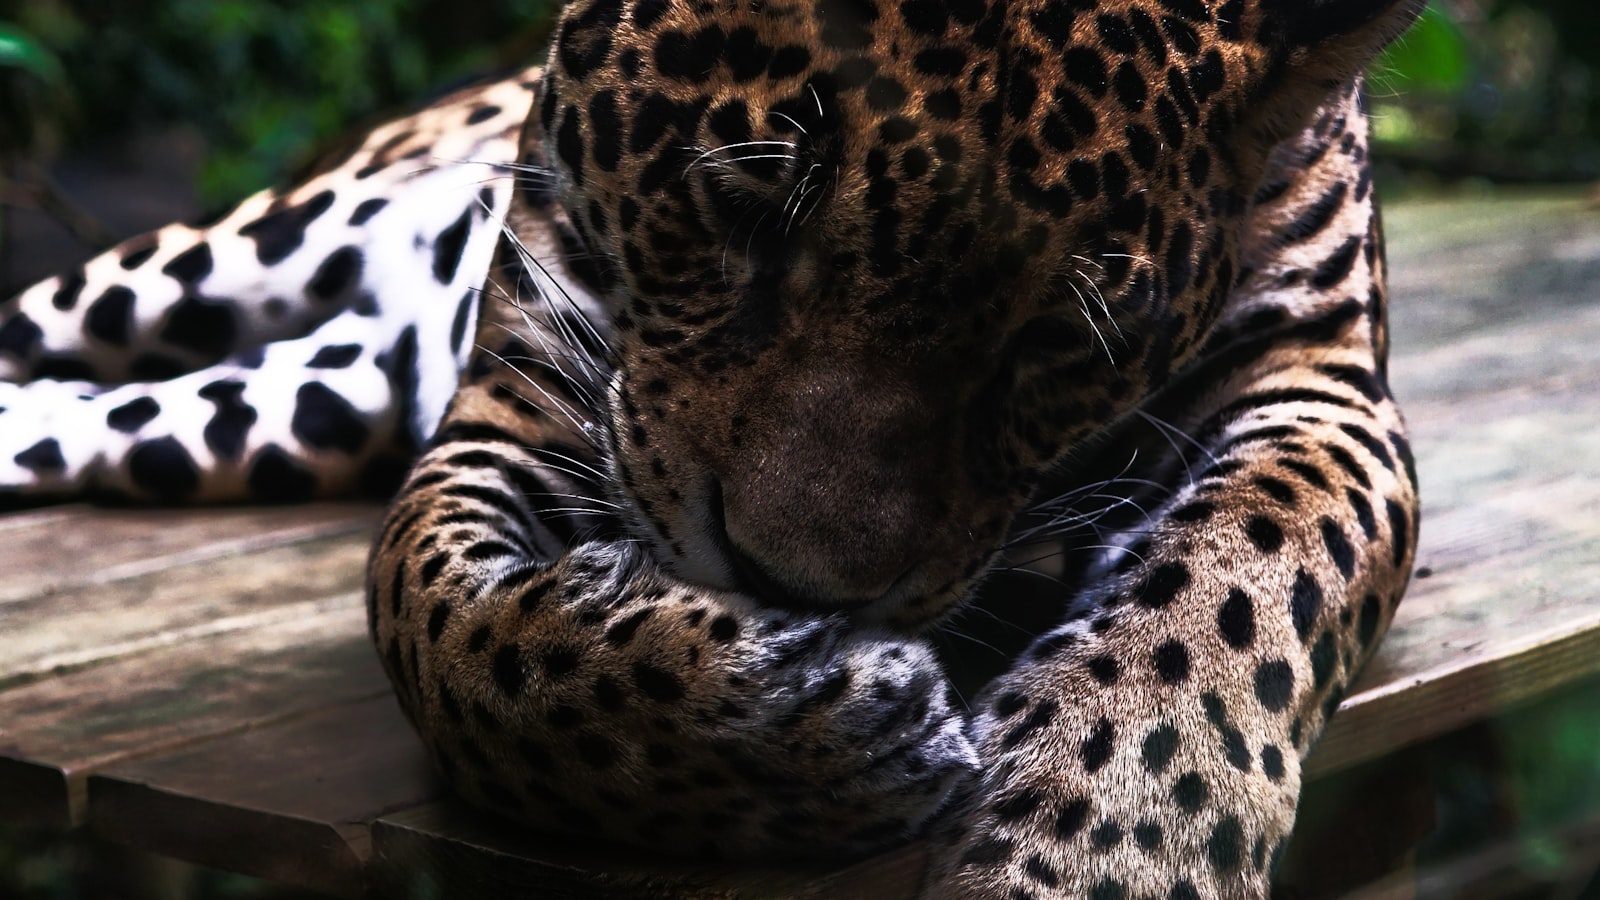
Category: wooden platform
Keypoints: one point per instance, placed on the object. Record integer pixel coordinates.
(199, 684)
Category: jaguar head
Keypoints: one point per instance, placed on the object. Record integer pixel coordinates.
(877, 266)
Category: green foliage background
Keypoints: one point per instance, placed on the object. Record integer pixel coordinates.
(1507, 90)
(1504, 89)
(263, 82)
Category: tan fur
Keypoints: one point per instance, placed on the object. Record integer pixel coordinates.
(829, 432)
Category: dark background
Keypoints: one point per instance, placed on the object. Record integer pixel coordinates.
(118, 116)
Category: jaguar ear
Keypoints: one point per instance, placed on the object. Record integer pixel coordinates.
(1316, 47)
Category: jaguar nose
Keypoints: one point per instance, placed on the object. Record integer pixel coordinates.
(838, 487)
(747, 573)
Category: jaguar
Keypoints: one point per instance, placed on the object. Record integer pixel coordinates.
(814, 425)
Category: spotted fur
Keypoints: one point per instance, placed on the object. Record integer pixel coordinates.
(304, 345)
(810, 322)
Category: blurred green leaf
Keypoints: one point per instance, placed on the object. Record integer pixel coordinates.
(1433, 56)
(264, 82)
(19, 50)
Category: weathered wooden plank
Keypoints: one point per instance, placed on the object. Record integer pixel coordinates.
(46, 635)
(1497, 622)
(54, 732)
(1504, 429)
(1529, 429)
(288, 802)
(50, 552)
(1461, 269)
(38, 518)
(1502, 395)
(1482, 682)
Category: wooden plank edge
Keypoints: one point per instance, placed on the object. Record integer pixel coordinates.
(445, 849)
(33, 518)
(49, 796)
(37, 796)
(1375, 723)
(55, 795)
(289, 801)
(311, 855)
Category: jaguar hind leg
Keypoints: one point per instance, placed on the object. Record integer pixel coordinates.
(329, 414)
(305, 345)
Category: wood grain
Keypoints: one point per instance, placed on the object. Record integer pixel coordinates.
(200, 684)
(56, 551)
(1503, 414)
(48, 635)
(54, 732)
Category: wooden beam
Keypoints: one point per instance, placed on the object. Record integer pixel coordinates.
(57, 551)
(51, 634)
(200, 683)
(448, 850)
(58, 731)
(288, 802)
